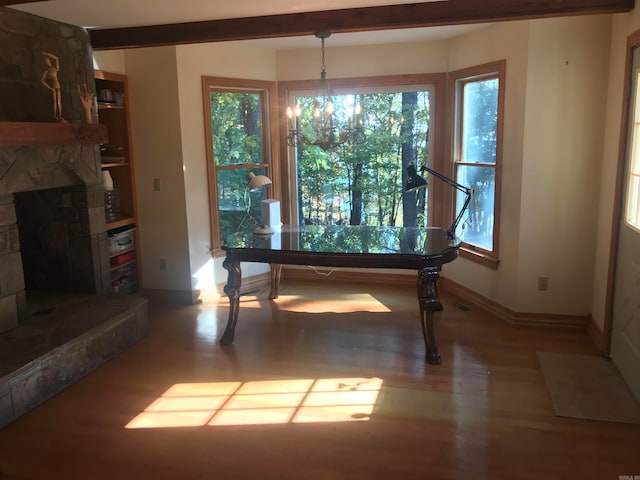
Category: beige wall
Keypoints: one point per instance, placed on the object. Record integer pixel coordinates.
(556, 73)
(564, 121)
(550, 224)
(507, 41)
(110, 61)
(233, 60)
(363, 61)
(156, 128)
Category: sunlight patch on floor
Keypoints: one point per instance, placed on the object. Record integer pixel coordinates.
(321, 302)
(261, 402)
(331, 303)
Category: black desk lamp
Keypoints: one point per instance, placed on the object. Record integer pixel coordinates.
(415, 181)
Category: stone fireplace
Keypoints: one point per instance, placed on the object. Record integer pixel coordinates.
(57, 321)
(53, 242)
(52, 249)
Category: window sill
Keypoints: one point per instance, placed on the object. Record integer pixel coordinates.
(479, 257)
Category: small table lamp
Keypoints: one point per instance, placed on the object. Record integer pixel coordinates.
(257, 182)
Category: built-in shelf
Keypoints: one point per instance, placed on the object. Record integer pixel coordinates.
(123, 222)
(114, 165)
(115, 268)
(109, 106)
(122, 252)
(117, 158)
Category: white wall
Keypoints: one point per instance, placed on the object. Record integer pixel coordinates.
(110, 61)
(363, 61)
(564, 121)
(156, 129)
(169, 145)
(233, 60)
(553, 124)
(507, 41)
(156, 126)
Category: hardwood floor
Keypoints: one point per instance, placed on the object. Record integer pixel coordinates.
(483, 414)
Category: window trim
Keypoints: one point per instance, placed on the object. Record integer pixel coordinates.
(457, 80)
(270, 142)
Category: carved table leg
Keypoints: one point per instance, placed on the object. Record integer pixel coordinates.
(276, 270)
(429, 303)
(232, 289)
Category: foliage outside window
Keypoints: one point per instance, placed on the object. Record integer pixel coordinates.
(238, 142)
(477, 153)
(364, 184)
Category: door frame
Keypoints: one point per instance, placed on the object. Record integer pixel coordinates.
(633, 41)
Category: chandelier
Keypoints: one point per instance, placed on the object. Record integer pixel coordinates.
(326, 133)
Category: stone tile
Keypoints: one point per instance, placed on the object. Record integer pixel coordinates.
(9, 239)
(7, 214)
(93, 331)
(121, 336)
(97, 223)
(12, 278)
(8, 313)
(7, 414)
(34, 386)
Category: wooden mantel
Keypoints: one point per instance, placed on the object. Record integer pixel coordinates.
(15, 134)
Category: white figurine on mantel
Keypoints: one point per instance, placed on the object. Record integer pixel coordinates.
(86, 97)
(50, 80)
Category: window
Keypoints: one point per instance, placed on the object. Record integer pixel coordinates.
(238, 137)
(364, 184)
(632, 204)
(477, 148)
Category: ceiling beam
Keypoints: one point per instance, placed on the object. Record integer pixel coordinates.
(5, 3)
(450, 12)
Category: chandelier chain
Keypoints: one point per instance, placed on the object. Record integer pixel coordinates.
(324, 70)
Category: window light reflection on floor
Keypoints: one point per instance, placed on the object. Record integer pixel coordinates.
(335, 303)
(261, 402)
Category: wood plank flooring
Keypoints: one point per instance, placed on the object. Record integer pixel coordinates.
(346, 353)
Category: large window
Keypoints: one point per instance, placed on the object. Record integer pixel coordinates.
(477, 147)
(364, 184)
(238, 142)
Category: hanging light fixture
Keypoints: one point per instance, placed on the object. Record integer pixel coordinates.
(326, 131)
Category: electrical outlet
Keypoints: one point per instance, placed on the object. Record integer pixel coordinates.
(156, 184)
(543, 283)
(163, 264)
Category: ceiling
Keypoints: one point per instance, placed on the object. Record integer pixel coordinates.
(119, 13)
(99, 14)
(131, 23)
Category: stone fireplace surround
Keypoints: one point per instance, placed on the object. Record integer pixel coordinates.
(58, 321)
(48, 168)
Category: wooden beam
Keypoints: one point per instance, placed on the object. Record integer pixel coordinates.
(5, 3)
(429, 14)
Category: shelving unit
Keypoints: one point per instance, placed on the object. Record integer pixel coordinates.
(117, 159)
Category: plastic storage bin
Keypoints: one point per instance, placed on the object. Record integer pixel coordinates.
(119, 241)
